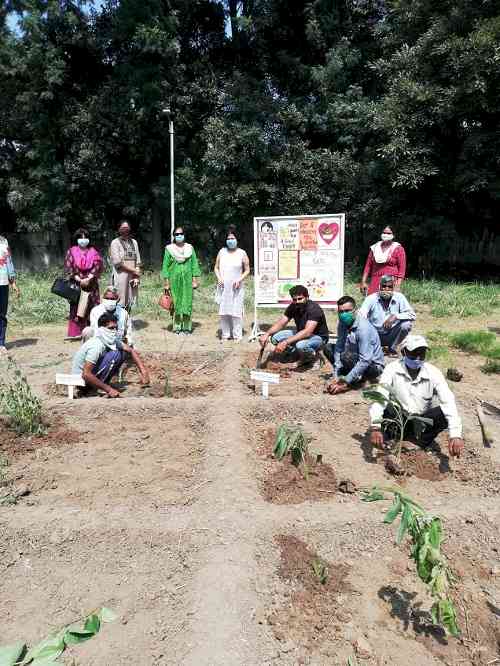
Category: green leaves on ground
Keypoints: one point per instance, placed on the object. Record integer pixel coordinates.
(49, 649)
(426, 534)
(294, 441)
(18, 402)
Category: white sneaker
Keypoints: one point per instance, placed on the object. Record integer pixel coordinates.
(3, 350)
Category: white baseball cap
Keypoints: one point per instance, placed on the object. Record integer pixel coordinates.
(413, 342)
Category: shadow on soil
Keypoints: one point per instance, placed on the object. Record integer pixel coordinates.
(409, 613)
(25, 342)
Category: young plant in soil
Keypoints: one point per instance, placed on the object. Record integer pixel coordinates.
(167, 388)
(292, 440)
(19, 403)
(48, 650)
(320, 570)
(426, 534)
(401, 418)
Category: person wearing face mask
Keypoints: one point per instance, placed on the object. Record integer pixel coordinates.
(181, 272)
(232, 267)
(124, 341)
(357, 355)
(422, 390)
(387, 257)
(126, 260)
(7, 280)
(311, 329)
(99, 359)
(83, 264)
(390, 313)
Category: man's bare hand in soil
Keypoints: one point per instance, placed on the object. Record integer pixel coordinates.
(337, 386)
(377, 439)
(113, 393)
(263, 340)
(456, 446)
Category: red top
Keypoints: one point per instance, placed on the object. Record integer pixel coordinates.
(395, 265)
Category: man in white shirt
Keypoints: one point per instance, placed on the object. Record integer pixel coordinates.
(390, 313)
(421, 389)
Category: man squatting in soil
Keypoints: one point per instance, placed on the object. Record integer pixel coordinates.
(311, 330)
(418, 386)
(390, 313)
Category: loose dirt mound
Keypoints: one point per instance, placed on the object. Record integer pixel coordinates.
(189, 375)
(293, 382)
(284, 483)
(15, 446)
(309, 606)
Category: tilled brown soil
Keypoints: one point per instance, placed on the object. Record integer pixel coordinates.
(154, 506)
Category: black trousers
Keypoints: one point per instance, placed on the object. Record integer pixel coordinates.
(423, 434)
(4, 304)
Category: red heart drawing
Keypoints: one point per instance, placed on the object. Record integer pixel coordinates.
(328, 231)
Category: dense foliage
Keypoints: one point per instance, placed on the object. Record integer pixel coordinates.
(386, 109)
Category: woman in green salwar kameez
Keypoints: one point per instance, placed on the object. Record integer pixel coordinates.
(180, 270)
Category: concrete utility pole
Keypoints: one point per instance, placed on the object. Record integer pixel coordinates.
(166, 111)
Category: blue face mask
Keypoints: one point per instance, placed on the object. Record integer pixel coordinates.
(231, 243)
(179, 238)
(413, 363)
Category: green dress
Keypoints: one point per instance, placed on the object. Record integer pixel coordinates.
(180, 274)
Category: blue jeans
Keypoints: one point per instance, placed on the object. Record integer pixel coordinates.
(307, 346)
(4, 303)
(395, 335)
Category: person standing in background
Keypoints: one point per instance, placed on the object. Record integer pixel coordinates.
(7, 280)
(181, 272)
(83, 264)
(387, 257)
(232, 266)
(126, 260)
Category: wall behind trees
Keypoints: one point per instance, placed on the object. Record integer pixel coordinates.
(386, 109)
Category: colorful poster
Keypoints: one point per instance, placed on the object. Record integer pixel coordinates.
(288, 265)
(307, 250)
(288, 235)
(308, 234)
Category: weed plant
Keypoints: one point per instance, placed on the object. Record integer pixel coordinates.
(18, 402)
(491, 367)
(478, 342)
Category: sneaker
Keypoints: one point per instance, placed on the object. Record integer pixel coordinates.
(3, 350)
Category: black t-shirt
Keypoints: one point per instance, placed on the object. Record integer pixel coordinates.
(311, 312)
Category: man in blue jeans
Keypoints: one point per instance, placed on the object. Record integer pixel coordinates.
(311, 329)
(357, 354)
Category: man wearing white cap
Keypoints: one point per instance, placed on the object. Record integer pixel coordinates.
(421, 389)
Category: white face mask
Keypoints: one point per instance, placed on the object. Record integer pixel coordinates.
(109, 304)
(108, 336)
(83, 242)
(387, 237)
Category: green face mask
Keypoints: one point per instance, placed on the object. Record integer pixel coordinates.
(347, 318)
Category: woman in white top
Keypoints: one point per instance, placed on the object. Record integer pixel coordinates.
(232, 266)
(126, 260)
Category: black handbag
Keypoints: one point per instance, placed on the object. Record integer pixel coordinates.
(66, 289)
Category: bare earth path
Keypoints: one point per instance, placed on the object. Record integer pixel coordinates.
(154, 506)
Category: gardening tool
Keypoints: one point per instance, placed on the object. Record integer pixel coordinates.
(259, 364)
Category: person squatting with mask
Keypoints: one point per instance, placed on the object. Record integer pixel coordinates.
(124, 341)
(99, 359)
(422, 390)
(311, 332)
(180, 272)
(387, 257)
(232, 267)
(357, 354)
(390, 313)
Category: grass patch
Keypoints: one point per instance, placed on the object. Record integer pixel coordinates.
(438, 351)
(477, 342)
(449, 299)
(491, 367)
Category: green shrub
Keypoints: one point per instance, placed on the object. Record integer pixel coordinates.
(491, 367)
(18, 402)
(477, 342)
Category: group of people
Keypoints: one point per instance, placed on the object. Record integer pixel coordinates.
(365, 336)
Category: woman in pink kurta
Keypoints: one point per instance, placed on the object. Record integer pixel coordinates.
(83, 264)
(387, 257)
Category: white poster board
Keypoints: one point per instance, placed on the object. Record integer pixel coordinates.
(303, 249)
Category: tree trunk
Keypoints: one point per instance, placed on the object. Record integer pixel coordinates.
(156, 233)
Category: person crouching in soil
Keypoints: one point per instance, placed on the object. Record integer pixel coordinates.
(357, 355)
(311, 330)
(422, 390)
(124, 340)
(98, 359)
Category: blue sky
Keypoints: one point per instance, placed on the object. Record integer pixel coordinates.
(12, 19)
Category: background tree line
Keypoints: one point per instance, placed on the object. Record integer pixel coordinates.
(386, 109)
